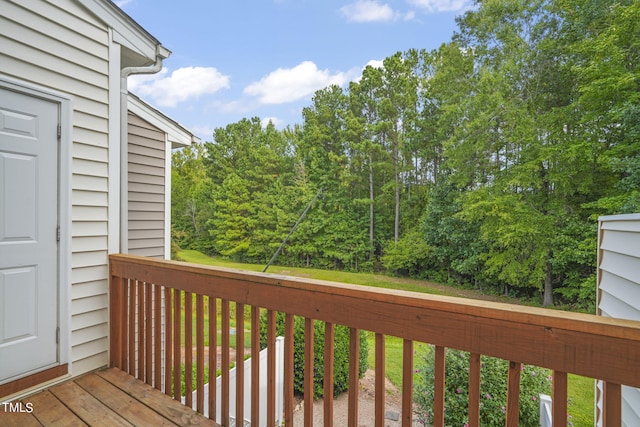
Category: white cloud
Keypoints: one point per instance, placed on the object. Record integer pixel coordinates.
(290, 84)
(375, 63)
(203, 131)
(276, 121)
(183, 84)
(409, 16)
(441, 5)
(367, 11)
(122, 3)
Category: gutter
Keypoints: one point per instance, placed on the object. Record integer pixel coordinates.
(161, 54)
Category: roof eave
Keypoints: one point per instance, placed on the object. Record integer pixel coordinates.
(144, 48)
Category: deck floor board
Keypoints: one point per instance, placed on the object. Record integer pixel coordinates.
(105, 398)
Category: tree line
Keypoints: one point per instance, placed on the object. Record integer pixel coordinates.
(486, 161)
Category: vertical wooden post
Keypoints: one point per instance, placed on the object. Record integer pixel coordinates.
(224, 404)
(157, 337)
(188, 349)
(559, 399)
(513, 394)
(141, 334)
(239, 364)
(124, 325)
(168, 340)
(288, 369)
(474, 390)
(271, 368)
(148, 332)
(354, 380)
(255, 366)
(213, 355)
(329, 334)
(308, 371)
(115, 322)
(177, 327)
(438, 388)
(407, 383)
(200, 353)
(612, 405)
(380, 382)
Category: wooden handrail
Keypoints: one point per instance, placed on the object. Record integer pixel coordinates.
(587, 345)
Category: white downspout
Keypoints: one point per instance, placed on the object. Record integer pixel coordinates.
(124, 141)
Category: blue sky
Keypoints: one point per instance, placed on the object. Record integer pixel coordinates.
(266, 58)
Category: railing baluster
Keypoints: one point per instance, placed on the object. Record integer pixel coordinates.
(188, 349)
(474, 390)
(141, 335)
(213, 356)
(224, 404)
(308, 372)
(329, 334)
(354, 376)
(177, 330)
(168, 339)
(157, 337)
(438, 387)
(115, 321)
(407, 383)
(255, 366)
(148, 330)
(288, 369)
(239, 364)
(513, 394)
(271, 368)
(380, 381)
(133, 289)
(559, 399)
(611, 405)
(124, 325)
(200, 353)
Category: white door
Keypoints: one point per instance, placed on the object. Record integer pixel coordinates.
(28, 234)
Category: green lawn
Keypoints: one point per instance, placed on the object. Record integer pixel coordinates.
(375, 280)
(581, 403)
(580, 393)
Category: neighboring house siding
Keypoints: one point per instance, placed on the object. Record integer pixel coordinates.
(59, 45)
(619, 288)
(147, 148)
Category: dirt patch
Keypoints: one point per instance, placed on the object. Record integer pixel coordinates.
(366, 406)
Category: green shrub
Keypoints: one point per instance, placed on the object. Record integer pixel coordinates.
(340, 354)
(493, 390)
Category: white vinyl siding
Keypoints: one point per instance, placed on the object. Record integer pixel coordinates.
(619, 289)
(147, 148)
(61, 46)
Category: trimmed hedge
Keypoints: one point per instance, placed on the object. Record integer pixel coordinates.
(340, 354)
(493, 390)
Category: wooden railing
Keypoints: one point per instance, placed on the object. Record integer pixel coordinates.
(151, 310)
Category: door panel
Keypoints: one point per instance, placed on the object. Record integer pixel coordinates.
(28, 234)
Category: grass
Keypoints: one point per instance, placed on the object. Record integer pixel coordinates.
(580, 389)
(581, 403)
(393, 347)
(367, 279)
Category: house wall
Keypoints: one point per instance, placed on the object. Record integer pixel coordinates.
(619, 289)
(147, 153)
(59, 45)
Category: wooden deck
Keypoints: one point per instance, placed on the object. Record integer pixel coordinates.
(106, 398)
(158, 307)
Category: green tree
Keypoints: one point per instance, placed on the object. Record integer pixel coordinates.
(254, 196)
(517, 130)
(190, 187)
